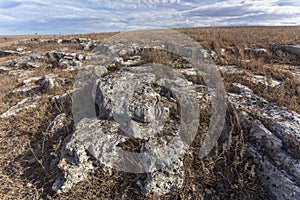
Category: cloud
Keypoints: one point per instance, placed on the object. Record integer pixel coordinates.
(8, 4)
(81, 16)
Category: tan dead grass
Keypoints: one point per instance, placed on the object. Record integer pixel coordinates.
(28, 148)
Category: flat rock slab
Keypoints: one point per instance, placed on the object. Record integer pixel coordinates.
(275, 141)
(256, 79)
(4, 69)
(36, 84)
(28, 103)
(8, 53)
(294, 49)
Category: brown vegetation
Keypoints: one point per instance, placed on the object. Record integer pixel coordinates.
(28, 148)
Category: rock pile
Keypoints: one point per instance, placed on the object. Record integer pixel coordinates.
(69, 61)
(148, 114)
(28, 85)
(26, 64)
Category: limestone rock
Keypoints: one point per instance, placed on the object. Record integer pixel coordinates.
(265, 81)
(30, 102)
(62, 99)
(70, 61)
(20, 72)
(21, 48)
(62, 103)
(36, 84)
(286, 54)
(5, 53)
(23, 61)
(64, 41)
(131, 61)
(284, 123)
(58, 122)
(275, 141)
(147, 114)
(89, 45)
(260, 52)
(55, 55)
(294, 70)
(4, 69)
(293, 49)
(260, 80)
(75, 172)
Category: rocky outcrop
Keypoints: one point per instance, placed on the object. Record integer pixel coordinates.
(68, 61)
(134, 111)
(256, 52)
(51, 59)
(293, 49)
(148, 119)
(87, 44)
(4, 69)
(260, 80)
(287, 54)
(275, 141)
(152, 122)
(133, 119)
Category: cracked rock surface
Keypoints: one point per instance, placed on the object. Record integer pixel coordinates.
(275, 141)
(138, 127)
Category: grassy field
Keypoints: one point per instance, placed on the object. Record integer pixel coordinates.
(27, 147)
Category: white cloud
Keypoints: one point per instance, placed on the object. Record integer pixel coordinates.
(66, 16)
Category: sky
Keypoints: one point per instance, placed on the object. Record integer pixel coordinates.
(87, 16)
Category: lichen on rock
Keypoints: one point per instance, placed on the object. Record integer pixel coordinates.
(135, 103)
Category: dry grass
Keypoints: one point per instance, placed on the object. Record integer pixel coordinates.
(28, 148)
(287, 94)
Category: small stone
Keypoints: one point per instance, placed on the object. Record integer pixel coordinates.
(80, 57)
(20, 62)
(58, 122)
(29, 184)
(20, 49)
(207, 191)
